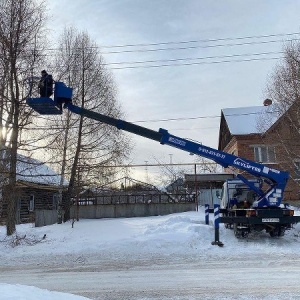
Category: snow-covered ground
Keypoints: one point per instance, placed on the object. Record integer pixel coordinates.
(163, 257)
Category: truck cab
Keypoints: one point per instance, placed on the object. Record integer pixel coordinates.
(236, 194)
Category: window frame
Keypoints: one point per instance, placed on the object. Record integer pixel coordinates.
(270, 154)
(296, 163)
(31, 205)
(55, 201)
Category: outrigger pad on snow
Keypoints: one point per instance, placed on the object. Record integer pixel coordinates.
(44, 106)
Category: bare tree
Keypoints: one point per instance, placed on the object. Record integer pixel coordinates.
(284, 89)
(82, 145)
(207, 166)
(20, 28)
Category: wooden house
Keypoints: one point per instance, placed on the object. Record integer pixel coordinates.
(37, 187)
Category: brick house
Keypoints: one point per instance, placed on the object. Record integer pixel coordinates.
(263, 135)
(37, 188)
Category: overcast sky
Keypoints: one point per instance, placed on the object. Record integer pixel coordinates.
(195, 90)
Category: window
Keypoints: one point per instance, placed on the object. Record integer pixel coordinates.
(55, 199)
(264, 154)
(31, 203)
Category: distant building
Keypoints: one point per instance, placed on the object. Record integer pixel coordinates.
(176, 186)
(207, 186)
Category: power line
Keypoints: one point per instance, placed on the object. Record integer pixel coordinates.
(200, 41)
(196, 47)
(166, 120)
(186, 59)
(133, 63)
(195, 58)
(170, 48)
(200, 117)
(159, 165)
(182, 42)
(195, 63)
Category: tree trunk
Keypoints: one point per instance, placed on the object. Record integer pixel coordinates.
(12, 196)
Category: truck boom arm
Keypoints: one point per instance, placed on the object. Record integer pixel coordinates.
(275, 179)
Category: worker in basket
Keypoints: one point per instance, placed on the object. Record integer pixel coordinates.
(46, 84)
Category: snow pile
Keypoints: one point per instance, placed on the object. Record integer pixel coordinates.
(21, 292)
(182, 233)
(182, 236)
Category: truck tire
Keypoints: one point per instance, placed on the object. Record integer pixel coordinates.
(277, 232)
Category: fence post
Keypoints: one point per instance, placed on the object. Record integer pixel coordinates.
(217, 225)
(206, 214)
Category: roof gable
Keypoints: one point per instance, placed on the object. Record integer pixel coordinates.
(34, 171)
(250, 120)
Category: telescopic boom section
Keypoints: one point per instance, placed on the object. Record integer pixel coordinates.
(275, 179)
(120, 124)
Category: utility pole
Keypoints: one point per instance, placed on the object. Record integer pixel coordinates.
(146, 170)
(196, 187)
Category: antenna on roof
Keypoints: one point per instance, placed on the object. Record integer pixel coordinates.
(267, 102)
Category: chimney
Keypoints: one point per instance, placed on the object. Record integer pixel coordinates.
(267, 102)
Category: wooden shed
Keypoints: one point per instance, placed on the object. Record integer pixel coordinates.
(37, 188)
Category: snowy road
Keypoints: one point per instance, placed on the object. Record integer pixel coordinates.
(154, 258)
(202, 280)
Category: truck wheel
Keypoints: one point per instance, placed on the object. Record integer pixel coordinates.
(237, 233)
(282, 232)
(277, 232)
(245, 234)
(242, 232)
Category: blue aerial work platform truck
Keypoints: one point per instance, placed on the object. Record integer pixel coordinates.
(247, 205)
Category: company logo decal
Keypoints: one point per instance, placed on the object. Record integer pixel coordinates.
(211, 153)
(177, 141)
(246, 165)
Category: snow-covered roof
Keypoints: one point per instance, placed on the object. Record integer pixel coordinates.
(249, 120)
(33, 170)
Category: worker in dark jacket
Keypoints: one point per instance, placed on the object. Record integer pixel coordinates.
(46, 84)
